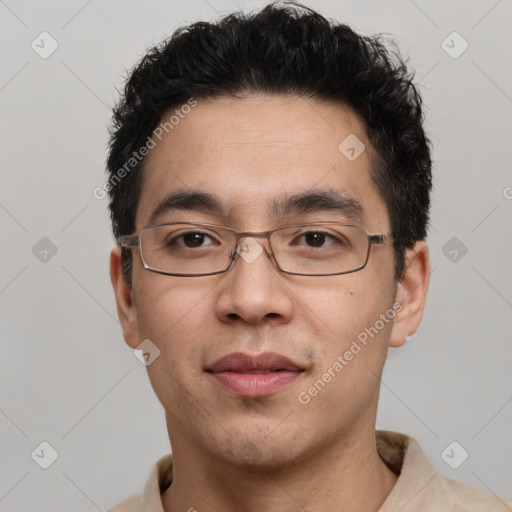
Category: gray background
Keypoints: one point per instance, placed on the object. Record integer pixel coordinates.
(67, 377)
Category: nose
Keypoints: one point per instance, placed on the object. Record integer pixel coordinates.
(253, 289)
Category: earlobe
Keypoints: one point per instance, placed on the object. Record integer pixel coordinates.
(126, 310)
(411, 294)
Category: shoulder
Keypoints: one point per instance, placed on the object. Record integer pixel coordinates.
(467, 498)
(420, 488)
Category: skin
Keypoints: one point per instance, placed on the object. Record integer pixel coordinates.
(271, 453)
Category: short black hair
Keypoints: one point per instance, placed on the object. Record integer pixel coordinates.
(283, 49)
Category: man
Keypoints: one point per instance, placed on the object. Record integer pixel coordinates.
(269, 185)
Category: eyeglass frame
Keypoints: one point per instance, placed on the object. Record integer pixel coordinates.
(133, 240)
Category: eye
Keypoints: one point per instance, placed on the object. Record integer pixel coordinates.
(316, 239)
(190, 240)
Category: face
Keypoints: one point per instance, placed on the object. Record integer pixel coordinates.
(249, 153)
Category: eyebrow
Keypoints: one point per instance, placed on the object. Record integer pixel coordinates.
(318, 200)
(189, 201)
(311, 201)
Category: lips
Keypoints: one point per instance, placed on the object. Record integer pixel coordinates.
(254, 376)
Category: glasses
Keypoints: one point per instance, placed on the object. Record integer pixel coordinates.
(201, 249)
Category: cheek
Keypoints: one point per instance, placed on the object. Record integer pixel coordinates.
(171, 314)
(346, 314)
(163, 303)
(342, 306)
(352, 353)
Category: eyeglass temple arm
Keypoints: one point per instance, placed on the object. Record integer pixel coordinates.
(380, 239)
(129, 241)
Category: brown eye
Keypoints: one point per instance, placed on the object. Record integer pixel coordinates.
(315, 239)
(193, 239)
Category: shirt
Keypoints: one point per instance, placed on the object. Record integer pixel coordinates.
(419, 487)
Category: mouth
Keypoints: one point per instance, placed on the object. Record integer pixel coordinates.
(254, 376)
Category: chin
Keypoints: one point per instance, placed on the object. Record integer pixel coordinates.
(259, 451)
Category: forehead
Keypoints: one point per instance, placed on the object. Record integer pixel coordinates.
(251, 152)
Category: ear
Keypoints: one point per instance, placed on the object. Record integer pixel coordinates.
(411, 294)
(126, 310)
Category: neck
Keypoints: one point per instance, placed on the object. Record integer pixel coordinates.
(348, 476)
